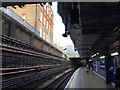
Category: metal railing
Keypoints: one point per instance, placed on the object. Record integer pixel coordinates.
(12, 14)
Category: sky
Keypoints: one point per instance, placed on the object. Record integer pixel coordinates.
(59, 29)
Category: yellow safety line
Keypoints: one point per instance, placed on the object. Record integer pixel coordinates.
(74, 79)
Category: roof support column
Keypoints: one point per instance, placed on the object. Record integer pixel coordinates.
(32, 39)
(108, 62)
(12, 28)
(108, 65)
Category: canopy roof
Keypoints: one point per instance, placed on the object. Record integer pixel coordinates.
(93, 26)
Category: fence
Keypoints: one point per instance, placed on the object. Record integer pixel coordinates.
(19, 19)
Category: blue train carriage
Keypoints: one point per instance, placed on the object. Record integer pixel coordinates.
(100, 68)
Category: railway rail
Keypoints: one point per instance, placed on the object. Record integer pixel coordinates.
(25, 79)
(60, 82)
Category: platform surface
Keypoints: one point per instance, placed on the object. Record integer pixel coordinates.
(82, 79)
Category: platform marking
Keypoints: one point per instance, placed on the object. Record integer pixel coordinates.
(113, 84)
(103, 77)
(99, 75)
(74, 78)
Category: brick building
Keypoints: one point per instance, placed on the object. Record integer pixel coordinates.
(39, 17)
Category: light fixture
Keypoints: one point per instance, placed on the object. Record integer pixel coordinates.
(115, 28)
(65, 34)
(114, 54)
(90, 60)
(102, 57)
(65, 49)
(97, 53)
(94, 55)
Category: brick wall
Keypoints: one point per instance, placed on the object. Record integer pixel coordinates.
(18, 31)
(28, 12)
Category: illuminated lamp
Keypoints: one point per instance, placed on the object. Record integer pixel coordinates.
(102, 57)
(115, 54)
(90, 60)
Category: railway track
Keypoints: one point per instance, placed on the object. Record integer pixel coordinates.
(18, 54)
(60, 82)
(34, 78)
(25, 66)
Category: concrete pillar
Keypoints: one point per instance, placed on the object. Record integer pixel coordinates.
(42, 45)
(0, 49)
(49, 48)
(12, 29)
(108, 61)
(108, 65)
(32, 39)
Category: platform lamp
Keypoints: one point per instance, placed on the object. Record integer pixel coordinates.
(115, 54)
(75, 49)
(66, 33)
(65, 49)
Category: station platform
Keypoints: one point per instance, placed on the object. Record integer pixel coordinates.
(82, 79)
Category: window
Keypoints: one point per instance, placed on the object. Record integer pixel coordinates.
(50, 15)
(45, 7)
(47, 10)
(44, 21)
(46, 38)
(51, 29)
(47, 25)
(41, 30)
(43, 35)
(41, 16)
(24, 16)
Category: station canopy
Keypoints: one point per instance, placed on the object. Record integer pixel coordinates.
(21, 4)
(94, 27)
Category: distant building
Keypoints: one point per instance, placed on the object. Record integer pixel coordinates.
(71, 52)
(62, 50)
(39, 17)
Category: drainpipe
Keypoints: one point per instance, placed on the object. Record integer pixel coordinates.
(36, 18)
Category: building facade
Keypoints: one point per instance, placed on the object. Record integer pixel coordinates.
(40, 17)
